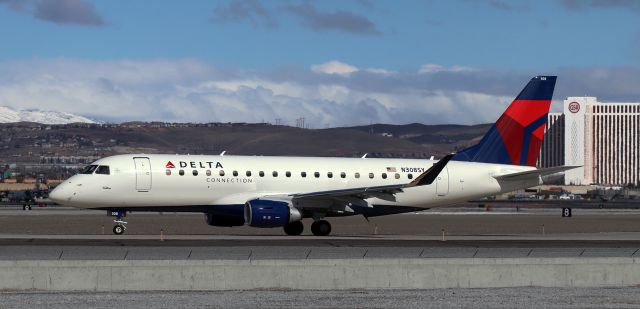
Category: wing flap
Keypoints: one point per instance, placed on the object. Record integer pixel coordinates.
(390, 189)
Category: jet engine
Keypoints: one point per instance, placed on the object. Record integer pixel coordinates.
(270, 213)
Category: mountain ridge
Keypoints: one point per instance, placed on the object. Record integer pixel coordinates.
(10, 115)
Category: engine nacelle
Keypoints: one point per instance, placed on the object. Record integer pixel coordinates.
(270, 213)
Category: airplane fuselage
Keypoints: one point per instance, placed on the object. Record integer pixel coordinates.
(157, 181)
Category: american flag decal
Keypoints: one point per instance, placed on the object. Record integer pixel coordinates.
(391, 169)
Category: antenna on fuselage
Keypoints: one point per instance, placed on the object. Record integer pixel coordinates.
(222, 153)
(431, 158)
(365, 156)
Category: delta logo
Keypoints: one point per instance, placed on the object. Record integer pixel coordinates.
(193, 164)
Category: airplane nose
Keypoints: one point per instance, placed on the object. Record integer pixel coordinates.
(58, 194)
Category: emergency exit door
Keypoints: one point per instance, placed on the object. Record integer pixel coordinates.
(143, 174)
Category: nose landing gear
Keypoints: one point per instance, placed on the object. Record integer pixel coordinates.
(120, 227)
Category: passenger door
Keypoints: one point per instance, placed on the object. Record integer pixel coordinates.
(442, 182)
(143, 174)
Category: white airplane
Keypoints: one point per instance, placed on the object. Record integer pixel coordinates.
(280, 191)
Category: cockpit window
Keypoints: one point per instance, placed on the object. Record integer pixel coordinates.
(88, 169)
(103, 169)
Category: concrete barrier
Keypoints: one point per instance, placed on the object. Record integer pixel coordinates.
(147, 275)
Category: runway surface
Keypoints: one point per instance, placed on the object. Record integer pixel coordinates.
(270, 251)
(68, 234)
(454, 222)
(527, 297)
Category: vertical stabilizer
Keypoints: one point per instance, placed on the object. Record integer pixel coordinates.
(517, 135)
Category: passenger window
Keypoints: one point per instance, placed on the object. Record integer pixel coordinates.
(103, 170)
(288, 174)
(343, 175)
(397, 176)
(371, 175)
(303, 174)
(248, 174)
(356, 175)
(261, 173)
(316, 174)
(221, 172)
(235, 173)
(410, 176)
(274, 174)
(181, 172)
(168, 172)
(330, 174)
(195, 172)
(384, 175)
(208, 172)
(88, 169)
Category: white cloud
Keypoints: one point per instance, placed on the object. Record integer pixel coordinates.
(334, 67)
(436, 68)
(194, 91)
(380, 71)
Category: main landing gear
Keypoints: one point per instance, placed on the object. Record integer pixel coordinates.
(318, 228)
(321, 228)
(294, 228)
(120, 227)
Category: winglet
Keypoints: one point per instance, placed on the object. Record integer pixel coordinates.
(432, 173)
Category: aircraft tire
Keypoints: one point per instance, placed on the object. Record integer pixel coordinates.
(294, 228)
(321, 228)
(118, 229)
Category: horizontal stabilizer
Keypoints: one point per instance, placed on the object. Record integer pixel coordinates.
(533, 174)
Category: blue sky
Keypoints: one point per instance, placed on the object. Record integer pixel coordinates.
(387, 61)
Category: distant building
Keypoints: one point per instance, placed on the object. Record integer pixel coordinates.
(601, 137)
(552, 150)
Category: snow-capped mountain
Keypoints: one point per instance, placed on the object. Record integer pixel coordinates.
(8, 114)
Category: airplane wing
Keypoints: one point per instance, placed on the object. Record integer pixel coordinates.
(342, 200)
(363, 192)
(533, 174)
(423, 179)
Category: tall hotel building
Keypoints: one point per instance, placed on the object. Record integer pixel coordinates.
(552, 150)
(603, 138)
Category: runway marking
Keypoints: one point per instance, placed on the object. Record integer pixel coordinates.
(487, 213)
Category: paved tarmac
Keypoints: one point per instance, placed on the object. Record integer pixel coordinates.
(454, 221)
(71, 234)
(526, 297)
(269, 252)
